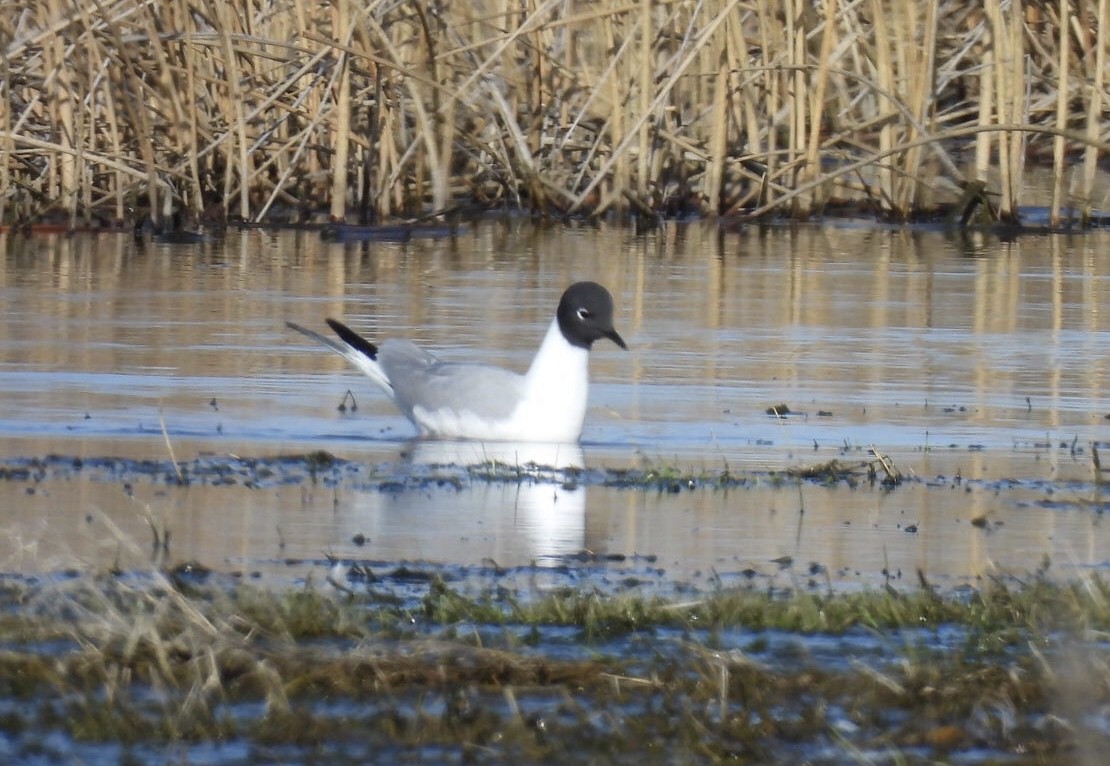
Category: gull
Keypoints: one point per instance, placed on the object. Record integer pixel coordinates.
(474, 401)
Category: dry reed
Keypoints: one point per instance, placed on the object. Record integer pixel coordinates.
(291, 110)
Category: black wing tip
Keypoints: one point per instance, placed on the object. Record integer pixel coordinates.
(352, 338)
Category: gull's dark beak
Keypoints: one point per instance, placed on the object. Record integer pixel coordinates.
(614, 336)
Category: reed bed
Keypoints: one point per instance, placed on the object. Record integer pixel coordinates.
(293, 111)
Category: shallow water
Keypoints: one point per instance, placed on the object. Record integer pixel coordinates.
(960, 358)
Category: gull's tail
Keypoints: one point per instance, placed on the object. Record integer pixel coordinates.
(354, 348)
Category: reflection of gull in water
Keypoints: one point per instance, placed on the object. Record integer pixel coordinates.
(511, 503)
(524, 485)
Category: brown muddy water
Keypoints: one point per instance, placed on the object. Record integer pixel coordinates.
(979, 367)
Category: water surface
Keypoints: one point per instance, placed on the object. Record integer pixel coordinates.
(962, 359)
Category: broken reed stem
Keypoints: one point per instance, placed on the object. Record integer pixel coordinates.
(617, 130)
(884, 76)
(7, 145)
(341, 113)
(60, 95)
(1059, 145)
(999, 39)
(443, 115)
(1018, 108)
(718, 141)
(646, 76)
(921, 77)
(892, 473)
(1095, 116)
(769, 29)
(192, 141)
(238, 125)
(796, 47)
(1007, 37)
(811, 167)
(985, 139)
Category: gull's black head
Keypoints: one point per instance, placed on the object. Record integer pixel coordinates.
(586, 314)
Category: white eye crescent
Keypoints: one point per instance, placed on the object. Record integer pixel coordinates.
(584, 314)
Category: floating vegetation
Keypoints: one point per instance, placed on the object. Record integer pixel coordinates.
(194, 114)
(327, 470)
(488, 672)
(830, 471)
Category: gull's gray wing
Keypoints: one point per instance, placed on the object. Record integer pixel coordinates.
(419, 379)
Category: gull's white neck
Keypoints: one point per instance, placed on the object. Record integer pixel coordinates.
(555, 390)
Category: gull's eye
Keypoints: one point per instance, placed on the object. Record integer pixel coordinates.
(584, 313)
